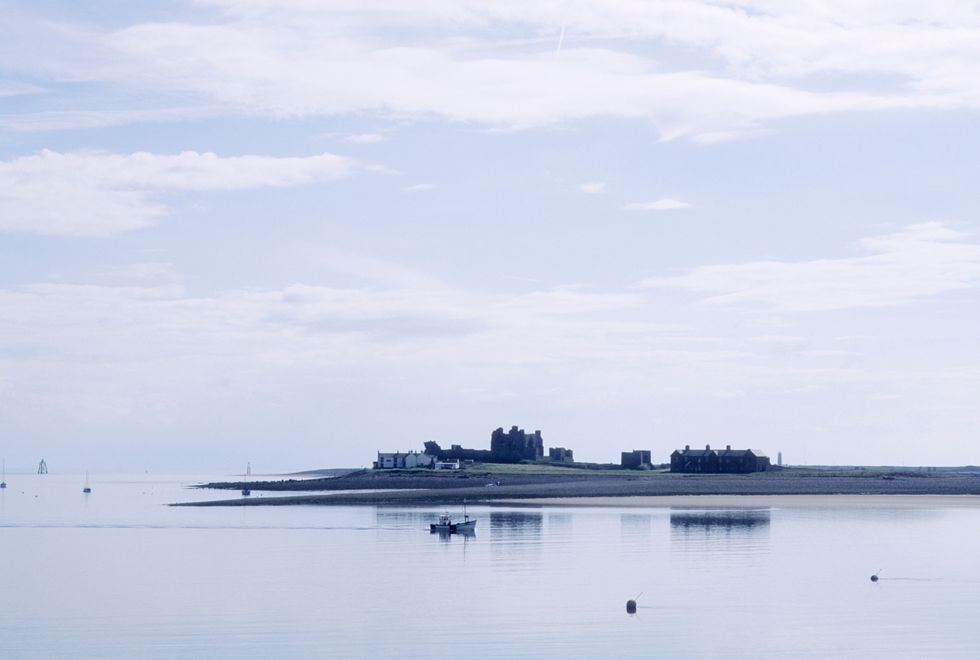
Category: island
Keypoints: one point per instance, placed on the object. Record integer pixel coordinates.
(548, 484)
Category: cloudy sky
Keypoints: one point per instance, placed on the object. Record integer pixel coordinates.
(295, 232)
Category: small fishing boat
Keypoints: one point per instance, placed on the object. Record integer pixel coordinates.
(446, 525)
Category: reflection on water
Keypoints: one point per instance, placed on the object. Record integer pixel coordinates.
(516, 539)
(446, 536)
(521, 523)
(735, 535)
(719, 520)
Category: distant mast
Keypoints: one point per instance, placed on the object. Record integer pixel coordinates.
(246, 491)
(87, 489)
(42, 467)
(3, 479)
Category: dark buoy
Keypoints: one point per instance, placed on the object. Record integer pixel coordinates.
(874, 578)
(631, 607)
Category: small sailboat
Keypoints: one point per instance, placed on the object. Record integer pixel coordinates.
(246, 491)
(87, 489)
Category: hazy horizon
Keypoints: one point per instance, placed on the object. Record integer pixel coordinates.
(299, 233)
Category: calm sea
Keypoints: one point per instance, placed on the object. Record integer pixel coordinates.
(116, 574)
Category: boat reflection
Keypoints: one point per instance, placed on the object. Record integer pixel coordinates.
(447, 536)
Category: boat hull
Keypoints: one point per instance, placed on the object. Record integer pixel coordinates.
(453, 528)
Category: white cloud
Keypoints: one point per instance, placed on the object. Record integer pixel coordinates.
(495, 63)
(594, 187)
(663, 204)
(100, 194)
(922, 260)
(419, 187)
(281, 74)
(365, 138)
(764, 45)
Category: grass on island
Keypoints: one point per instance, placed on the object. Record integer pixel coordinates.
(481, 469)
(544, 468)
(612, 470)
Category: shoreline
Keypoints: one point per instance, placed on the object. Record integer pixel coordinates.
(756, 501)
(415, 489)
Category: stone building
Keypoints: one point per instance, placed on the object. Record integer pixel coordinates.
(515, 446)
(561, 455)
(728, 460)
(636, 459)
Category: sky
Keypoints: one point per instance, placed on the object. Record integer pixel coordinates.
(296, 233)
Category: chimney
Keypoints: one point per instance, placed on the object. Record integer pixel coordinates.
(728, 447)
(687, 447)
(707, 447)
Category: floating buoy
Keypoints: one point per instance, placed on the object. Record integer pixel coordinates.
(874, 578)
(631, 607)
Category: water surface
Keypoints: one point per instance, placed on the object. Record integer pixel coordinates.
(116, 574)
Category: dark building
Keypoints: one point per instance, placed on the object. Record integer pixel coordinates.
(728, 460)
(560, 454)
(742, 460)
(636, 459)
(515, 446)
(458, 452)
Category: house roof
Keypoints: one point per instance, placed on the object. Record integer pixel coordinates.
(732, 453)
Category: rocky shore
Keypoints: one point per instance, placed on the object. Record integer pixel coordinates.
(432, 488)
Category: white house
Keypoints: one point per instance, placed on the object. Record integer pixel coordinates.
(448, 465)
(411, 459)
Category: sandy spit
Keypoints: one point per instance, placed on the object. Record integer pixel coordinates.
(755, 501)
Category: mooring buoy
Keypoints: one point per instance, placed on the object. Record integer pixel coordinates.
(874, 578)
(631, 607)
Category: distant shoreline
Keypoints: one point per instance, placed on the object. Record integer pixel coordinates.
(626, 488)
(749, 501)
